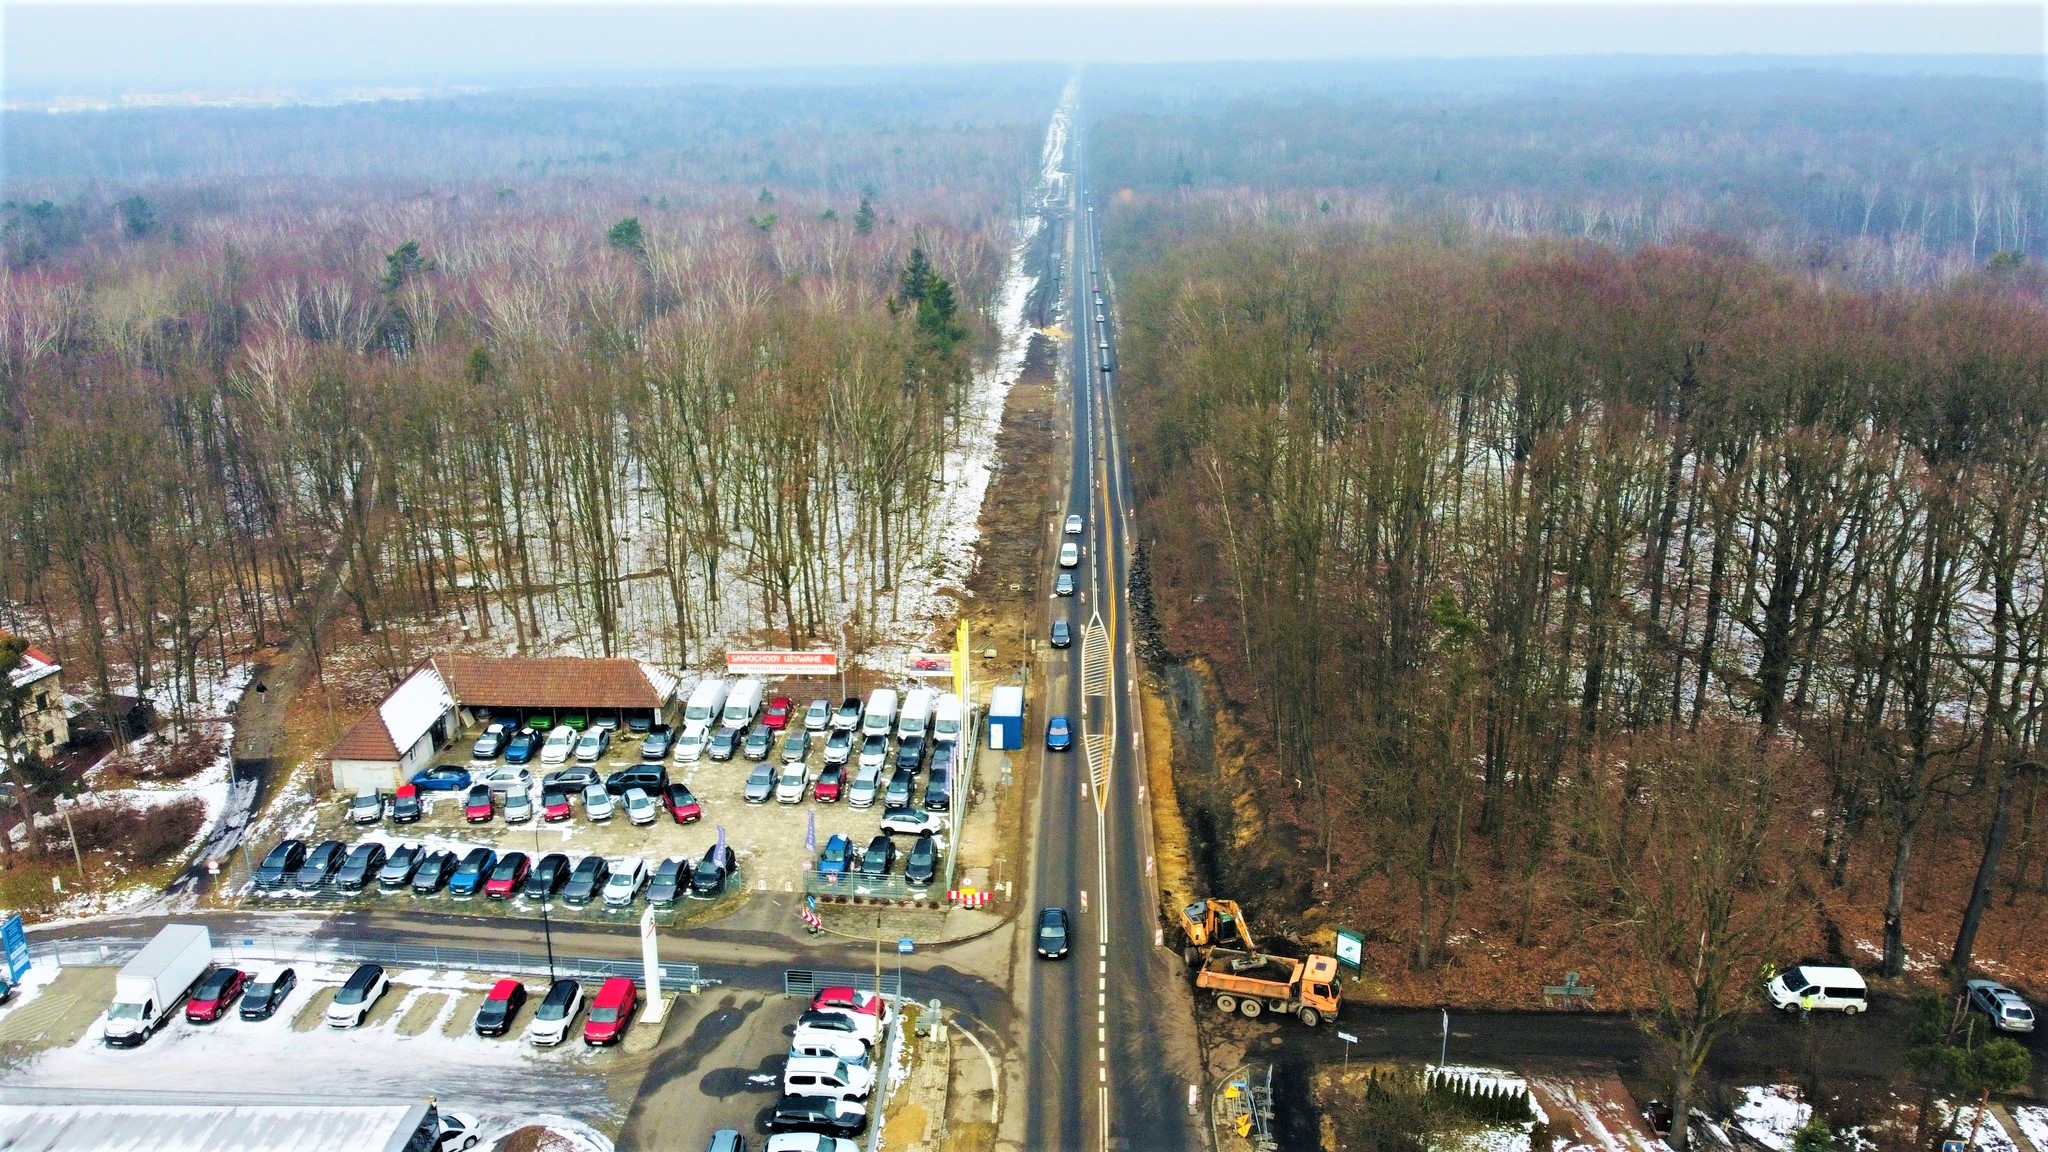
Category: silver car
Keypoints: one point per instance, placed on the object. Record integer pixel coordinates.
(2008, 1011)
(597, 803)
(796, 747)
(865, 787)
(640, 807)
(760, 785)
(818, 716)
(873, 750)
(518, 807)
(838, 746)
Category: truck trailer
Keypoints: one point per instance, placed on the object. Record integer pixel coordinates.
(1254, 983)
(152, 985)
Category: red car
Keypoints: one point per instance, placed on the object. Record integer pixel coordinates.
(610, 1010)
(843, 999)
(777, 717)
(682, 804)
(554, 805)
(215, 994)
(506, 878)
(476, 807)
(830, 780)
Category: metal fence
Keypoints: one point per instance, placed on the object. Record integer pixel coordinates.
(238, 949)
(806, 982)
(859, 889)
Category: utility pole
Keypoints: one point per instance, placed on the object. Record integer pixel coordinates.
(878, 955)
(547, 929)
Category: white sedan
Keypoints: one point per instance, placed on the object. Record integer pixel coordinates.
(1070, 556)
(561, 744)
(1074, 525)
(629, 875)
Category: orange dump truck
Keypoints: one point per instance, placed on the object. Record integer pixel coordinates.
(1254, 983)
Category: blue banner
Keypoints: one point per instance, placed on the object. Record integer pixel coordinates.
(811, 834)
(15, 940)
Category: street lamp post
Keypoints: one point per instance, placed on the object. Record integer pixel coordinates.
(547, 929)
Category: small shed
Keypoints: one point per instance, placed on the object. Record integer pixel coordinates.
(1006, 717)
(388, 745)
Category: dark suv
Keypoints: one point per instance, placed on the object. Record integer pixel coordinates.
(280, 864)
(587, 881)
(649, 778)
(320, 866)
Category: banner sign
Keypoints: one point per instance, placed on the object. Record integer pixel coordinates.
(782, 663)
(1351, 949)
(15, 940)
(935, 664)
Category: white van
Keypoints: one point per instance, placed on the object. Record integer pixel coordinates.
(880, 716)
(707, 701)
(946, 719)
(916, 718)
(742, 703)
(825, 1076)
(1816, 987)
(830, 1046)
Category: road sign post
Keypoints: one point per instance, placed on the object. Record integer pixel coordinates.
(1348, 1040)
(1351, 949)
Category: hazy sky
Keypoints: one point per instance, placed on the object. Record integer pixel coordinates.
(151, 46)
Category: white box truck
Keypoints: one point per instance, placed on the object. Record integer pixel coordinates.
(743, 703)
(880, 716)
(152, 985)
(946, 719)
(706, 704)
(916, 717)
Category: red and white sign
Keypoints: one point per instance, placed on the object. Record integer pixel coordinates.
(782, 663)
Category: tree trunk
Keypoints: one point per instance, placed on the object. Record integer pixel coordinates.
(1987, 874)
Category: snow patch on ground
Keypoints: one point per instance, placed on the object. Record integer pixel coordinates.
(2033, 1122)
(563, 1135)
(38, 977)
(1771, 1113)
(1991, 1135)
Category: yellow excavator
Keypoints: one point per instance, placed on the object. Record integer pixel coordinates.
(1207, 923)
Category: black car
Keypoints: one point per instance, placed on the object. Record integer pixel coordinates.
(1062, 636)
(901, 785)
(470, 874)
(495, 1015)
(922, 866)
(826, 1114)
(938, 792)
(571, 780)
(587, 882)
(279, 864)
(264, 997)
(406, 808)
(654, 749)
(400, 866)
(707, 881)
(1052, 933)
(320, 866)
(649, 778)
(881, 853)
(547, 877)
(433, 873)
(361, 867)
(726, 742)
(669, 881)
(910, 753)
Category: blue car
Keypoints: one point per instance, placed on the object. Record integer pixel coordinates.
(441, 778)
(1058, 737)
(522, 746)
(836, 857)
(471, 874)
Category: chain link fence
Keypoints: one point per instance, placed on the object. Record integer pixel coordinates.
(236, 950)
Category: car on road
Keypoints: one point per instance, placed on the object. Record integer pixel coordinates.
(320, 866)
(708, 879)
(641, 810)
(830, 780)
(1063, 584)
(472, 872)
(555, 806)
(507, 876)
(866, 786)
(776, 718)
(682, 804)
(847, 718)
(522, 747)
(1070, 554)
(1058, 736)
(1062, 636)
(406, 806)
(760, 785)
(837, 856)
(1074, 524)
(1052, 933)
(441, 778)
(476, 806)
(690, 745)
(938, 791)
(654, 747)
(2009, 1011)
(629, 875)
(879, 857)
(505, 778)
(352, 1004)
(593, 745)
(547, 877)
(597, 804)
(725, 743)
(495, 1015)
(922, 865)
(433, 873)
(557, 1013)
(874, 751)
(820, 1114)
(492, 743)
(560, 745)
(912, 821)
(360, 869)
(669, 880)
(400, 866)
(518, 807)
(587, 881)
(610, 1011)
(210, 1001)
(267, 995)
(902, 786)
(793, 783)
(280, 864)
(818, 716)
(367, 807)
(572, 779)
(649, 778)
(758, 744)
(839, 746)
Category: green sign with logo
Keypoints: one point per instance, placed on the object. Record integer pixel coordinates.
(1351, 949)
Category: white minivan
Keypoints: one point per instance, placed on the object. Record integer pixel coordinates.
(880, 716)
(707, 703)
(1818, 987)
(916, 717)
(742, 703)
(946, 719)
(825, 1076)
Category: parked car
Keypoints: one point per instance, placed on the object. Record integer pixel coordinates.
(725, 743)
(367, 807)
(492, 743)
(459, 1132)
(264, 997)
(1061, 636)
(839, 746)
(758, 744)
(654, 749)
(320, 866)
(682, 804)
(649, 778)
(406, 806)
(400, 866)
(506, 778)
(518, 807)
(574, 778)
(1074, 525)
(592, 745)
(777, 716)
(220, 989)
(902, 786)
(1818, 987)
(791, 785)
(847, 718)
(708, 879)
(522, 747)
(470, 874)
(912, 821)
(441, 778)
(597, 803)
(818, 716)
(360, 869)
(587, 881)
(556, 1014)
(864, 1026)
(1070, 554)
(866, 786)
(576, 721)
(669, 879)
(560, 745)
(808, 1142)
(1063, 584)
(760, 785)
(837, 1045)
(879, 856)
(830, 780)
(433, 873)
(910, 753)
(820, 1114)
(541, 720)
(608, 721)
(922, 865)
(837, 856)
(690, 745)
(826, 1076)
(938, 791)
(640, 807)
(280, 864)
(2009, 1012)
(476, 806)
(844, 998)
(547, 877)
(874, 751)
(1058, 737)
(365, 986)
(628, 876)
(796, 745)
(641, 723)
(610, 1011)
(507, 876)
(555, 806)
(1052, 933)
(495, 1015)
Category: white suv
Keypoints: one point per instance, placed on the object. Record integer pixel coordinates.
(690, 745)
